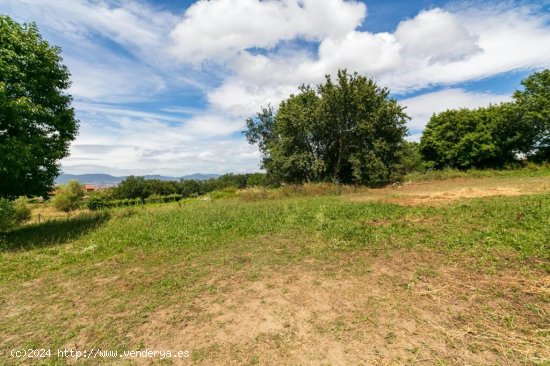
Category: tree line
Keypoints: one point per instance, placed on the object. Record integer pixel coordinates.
(352, 132)
(138, 187)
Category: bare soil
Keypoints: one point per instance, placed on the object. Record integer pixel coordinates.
(408, 307)
(442, 192)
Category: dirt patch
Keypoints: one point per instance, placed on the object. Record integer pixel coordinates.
(409, 307)
(441, 192)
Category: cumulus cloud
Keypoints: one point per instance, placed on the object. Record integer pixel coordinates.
(437, 47)
(363, 52)
(436, 36)
(224, 28)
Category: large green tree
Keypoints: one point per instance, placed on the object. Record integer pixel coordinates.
(493, 136)
(478, 138)
(37, 122)
(348, 131)
(534, 106)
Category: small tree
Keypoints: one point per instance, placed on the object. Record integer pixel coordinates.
(68, 196)
(347, 132)
(132, 187)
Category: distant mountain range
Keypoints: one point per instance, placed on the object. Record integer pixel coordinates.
(106, 179)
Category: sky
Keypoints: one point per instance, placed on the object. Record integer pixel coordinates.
(165, 87)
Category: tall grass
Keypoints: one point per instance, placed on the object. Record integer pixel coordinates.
(529, 170)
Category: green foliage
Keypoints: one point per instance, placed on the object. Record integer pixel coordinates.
(493, 136)
(13, 213)
(96, 203)
(37, 122)
(346, 132)
(224, 193)
(411, 158)
(524, 170)
(534, 105)
(22, 210)
(155, 198)
(139, 187)
(132, 187)
(480, 138)
(256, 180)
(69, 196)
(7, 215)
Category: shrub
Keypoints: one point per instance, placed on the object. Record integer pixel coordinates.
(68, 196)
(13, 213)
(22, 210)
(224, 193)
(96, 203)
(155, 198)
(256, 180)
(7, 215)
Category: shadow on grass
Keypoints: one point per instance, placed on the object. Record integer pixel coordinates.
(52, 232)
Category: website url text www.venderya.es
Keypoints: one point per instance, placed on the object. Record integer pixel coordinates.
(95, 353)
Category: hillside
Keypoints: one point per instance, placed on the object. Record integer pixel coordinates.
(437, 272)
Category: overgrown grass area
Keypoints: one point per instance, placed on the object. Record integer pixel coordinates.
(179, 275)
(529, 170)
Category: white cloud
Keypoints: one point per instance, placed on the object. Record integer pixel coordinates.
(436, 36)
(363, 52)
(437, 47)
(136, 25)
(420, 108)
(224, 28)
(155, 143)
(508, 39)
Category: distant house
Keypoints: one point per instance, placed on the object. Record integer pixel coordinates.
(90, 187)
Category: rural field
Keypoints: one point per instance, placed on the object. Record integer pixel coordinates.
(440, 270)
(275, 182)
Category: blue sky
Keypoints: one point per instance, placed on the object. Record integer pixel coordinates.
(164, 87)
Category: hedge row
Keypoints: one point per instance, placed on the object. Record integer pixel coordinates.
(97, 203)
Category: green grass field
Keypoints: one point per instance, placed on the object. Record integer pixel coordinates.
(392, 276)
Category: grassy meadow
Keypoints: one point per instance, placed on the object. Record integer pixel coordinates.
(442, 271)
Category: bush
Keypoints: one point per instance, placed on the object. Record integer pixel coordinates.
(256, 180)
(22, 210)
(68, 196)
(13, 213)
(96, 203)
(7, 215)
(224, 193)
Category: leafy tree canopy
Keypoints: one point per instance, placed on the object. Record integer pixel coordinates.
(37, 122)
(493, 136)
(480, 138)
(534, 105)
(348, 131)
